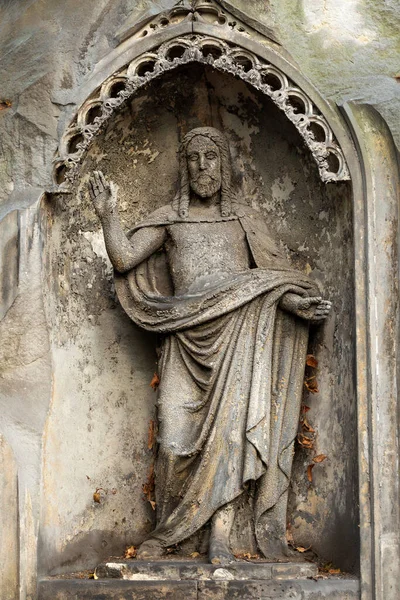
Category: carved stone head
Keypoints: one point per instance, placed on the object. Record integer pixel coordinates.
(205, 168)
(204, 165)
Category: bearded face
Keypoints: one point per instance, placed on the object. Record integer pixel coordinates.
(204, 165)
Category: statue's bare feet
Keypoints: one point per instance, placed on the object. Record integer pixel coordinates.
(150, 550)
(219, 552)
(277, 550)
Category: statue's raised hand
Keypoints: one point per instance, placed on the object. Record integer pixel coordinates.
(103, 194)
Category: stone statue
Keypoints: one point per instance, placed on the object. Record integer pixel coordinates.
(234, 316)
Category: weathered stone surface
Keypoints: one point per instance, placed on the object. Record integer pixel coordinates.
(9, 256)
(284, 590)
(197, 570)
(67, 589)
(9, 526)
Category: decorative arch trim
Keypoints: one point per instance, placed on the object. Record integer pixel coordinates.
(223, 56)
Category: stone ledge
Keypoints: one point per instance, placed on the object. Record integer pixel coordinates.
(181, 569)
(73, 589)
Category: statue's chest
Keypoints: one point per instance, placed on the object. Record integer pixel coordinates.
(210, 242)
(200, 249)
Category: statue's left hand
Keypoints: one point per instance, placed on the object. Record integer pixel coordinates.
(313, 309)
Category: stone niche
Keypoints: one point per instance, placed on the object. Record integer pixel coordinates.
(98, 450)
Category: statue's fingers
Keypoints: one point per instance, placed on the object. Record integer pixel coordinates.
(323, 308)
(92, 188)
(99, 184)
(91, 193)
(103, 180)
(93, 181)
(315, 299)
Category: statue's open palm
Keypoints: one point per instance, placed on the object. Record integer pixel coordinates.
(103, 194)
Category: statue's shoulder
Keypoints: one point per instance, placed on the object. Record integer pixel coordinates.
(161, 216)
(248, 215)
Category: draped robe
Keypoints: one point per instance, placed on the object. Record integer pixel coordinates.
(231, 376)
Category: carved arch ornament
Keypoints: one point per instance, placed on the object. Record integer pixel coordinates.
(114, 92)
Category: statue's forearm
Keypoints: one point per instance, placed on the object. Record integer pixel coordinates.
(119, 248)
(289, 303)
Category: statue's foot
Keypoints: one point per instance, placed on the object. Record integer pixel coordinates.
(277, 550)
(150, 550)
(219, 553)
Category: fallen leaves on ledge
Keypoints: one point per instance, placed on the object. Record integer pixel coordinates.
(130, 552)
(247, 556)
(302, 549)
(93, 576)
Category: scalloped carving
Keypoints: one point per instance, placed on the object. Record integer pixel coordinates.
(267, 78)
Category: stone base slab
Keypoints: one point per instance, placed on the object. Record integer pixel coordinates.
(117, 589)
(200, 570)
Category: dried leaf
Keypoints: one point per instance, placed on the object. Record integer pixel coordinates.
(155, 382)
(311, 361)
(195, 555)
(247, 556)
(306, 425)
(4, 104)
(311, 384)
(149, 486)
(130, 552)
(319, 458)
(334, 571)
(97, 495)
(301, 549)
(304, 441)
(151, 434)
(93, 576)
(309, 472)
(304, 408)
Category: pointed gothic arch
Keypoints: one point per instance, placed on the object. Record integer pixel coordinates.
(150, 52)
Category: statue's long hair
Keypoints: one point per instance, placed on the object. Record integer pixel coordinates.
(227, 196)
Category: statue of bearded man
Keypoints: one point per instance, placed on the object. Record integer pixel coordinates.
(234, 316)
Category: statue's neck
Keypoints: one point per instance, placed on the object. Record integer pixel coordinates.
(204, 203)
